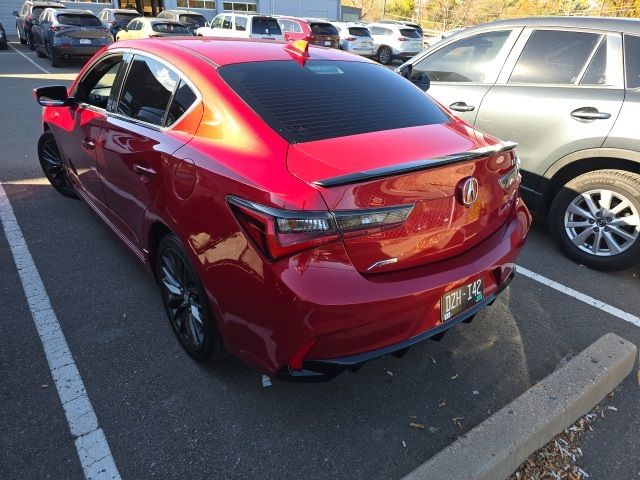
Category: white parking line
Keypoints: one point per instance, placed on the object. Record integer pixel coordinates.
(28, 59)
(605, 307)
(91, 444)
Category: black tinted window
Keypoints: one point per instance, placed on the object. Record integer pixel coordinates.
(79, 20)
(359, 32)
(125, 16)
(96, 87)
(266, 25)
(241, 24)
(323, 29)
(330, 99)
(554, 57)
(195, 20)
(632, 60)
(147, 91)
(37, 11)
(170, 28)
(182, 100)
(409, 32)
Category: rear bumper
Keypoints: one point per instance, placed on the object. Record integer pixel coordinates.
(76, 51)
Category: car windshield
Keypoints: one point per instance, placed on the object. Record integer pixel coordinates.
(125, 16)
(170, 28)
(327, 99)
(79, 20)
(359, 32)
(266, 25)
(409, 32)
(193, 20)
(323, 29)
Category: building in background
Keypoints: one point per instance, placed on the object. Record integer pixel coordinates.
(209, 8)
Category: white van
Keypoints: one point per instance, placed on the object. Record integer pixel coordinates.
(238, 25)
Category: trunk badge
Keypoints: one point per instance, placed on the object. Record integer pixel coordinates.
(469, 191)
(381, 263)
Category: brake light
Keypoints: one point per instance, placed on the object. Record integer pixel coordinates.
(279, 233)
(402, 39)
(351, 39)
(54, 28)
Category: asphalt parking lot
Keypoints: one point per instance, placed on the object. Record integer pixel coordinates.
(165, 416)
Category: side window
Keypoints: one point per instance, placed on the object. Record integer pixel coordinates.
(217, 22)
(147, 90)
(632, 60)
(471, 59)
(241, 24)
(554, 57)
(227, 22)
(286, 25)
(596, 72)
(96, 87)
(138, 25)
(182, 101)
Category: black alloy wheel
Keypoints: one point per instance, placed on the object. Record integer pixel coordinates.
(186, 303)
(52, 165)
(30, 42)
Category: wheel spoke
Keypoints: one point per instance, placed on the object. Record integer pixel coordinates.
(583, 223)
(614, 248)
(169, 280)
(579, 239)
(620, 207)
(629, 221)
(597, 237)
(621, 233)
(590, 203)
(605, 199)
(576, 210)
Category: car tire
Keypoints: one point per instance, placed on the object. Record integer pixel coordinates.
(54, 59)
(23, 41)
(385, 55)
(52, 165)
(30, 43)
(184, 300)
(595, 219)
(40, 53)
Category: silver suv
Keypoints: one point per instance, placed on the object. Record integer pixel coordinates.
(394, 41)
(568, 91)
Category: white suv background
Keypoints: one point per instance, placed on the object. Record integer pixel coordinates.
(394, 41)
(236, 25)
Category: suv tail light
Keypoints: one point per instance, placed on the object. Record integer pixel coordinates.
(351, 39)
(279, 233)
(402, 39)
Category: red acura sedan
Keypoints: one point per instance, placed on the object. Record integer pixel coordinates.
(291, 214)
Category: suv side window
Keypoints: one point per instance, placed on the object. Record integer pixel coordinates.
(96, 88)
(632, 60)
(554, 57)
(471, 59)
(241, 24)
(227, 22)
(147, 91)
(217, 22)
(596, 72)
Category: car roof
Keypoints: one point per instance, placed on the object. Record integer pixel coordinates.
(597, 23)
(391, 25)
(72, 11)
(46, 4)
(151, 20)
(121, 10)
(184, 12)
(226, 51)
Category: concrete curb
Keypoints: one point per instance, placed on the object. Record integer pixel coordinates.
(495, 449)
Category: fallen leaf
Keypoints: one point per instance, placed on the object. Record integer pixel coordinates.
(454, 377)
(418, 425)
(404, 444)
(44, 385)
(390, 373)
(612, 408)
(638, 374)
(434, 361)
(443, 403)
(476, 392)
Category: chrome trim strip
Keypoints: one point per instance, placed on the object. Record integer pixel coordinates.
(381, 263)
(414, 166)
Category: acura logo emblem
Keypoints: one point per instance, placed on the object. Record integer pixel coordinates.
(469, 191)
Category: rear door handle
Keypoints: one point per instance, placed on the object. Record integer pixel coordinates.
(144, 171)
(461, 107)
(88, 144)
(589, 113)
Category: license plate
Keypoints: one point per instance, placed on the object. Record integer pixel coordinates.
(327, 42)
(85, 41)
(461, 299)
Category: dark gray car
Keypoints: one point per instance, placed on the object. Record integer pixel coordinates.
(568, 91)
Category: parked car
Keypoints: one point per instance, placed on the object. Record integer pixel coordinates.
(560, 88)
(381, 211)
(408, 24)
(116, 18)
(66, 34)
(29, 12)
(3, 38)
(191, 20)
(355, 38)
(391, 41)
(149, 27)
(317, 32)
(241, 25)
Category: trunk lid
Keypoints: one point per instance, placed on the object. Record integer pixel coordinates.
(419, 166)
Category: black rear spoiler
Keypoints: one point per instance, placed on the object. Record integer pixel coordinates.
(414, 166)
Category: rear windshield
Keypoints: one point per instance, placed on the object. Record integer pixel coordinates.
(198, 20)
(359, 32)
(327, 99)
(125, 16)
(323, 29)
(409, 32)
(79, 20)
(169, 28)
(266, 25)
(36, 11)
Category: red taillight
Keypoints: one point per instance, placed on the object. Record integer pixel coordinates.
(279, 233)
(402, 39)
(351, 39)
(54, 28)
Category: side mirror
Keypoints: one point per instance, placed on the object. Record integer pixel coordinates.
(53, 96)
(419, 79)
(125, 29)
(405, 70)
(16, 13)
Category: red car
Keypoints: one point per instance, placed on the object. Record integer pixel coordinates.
(315, 32)
(291, 215)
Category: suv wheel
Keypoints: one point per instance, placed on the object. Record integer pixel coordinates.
(22, 40)
(52, 166)
(30, 41)
(55, 60)
(384, 55)
(595, 219)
